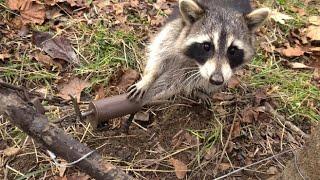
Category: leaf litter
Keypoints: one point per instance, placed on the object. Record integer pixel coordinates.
(55, 46)
(242, 149)
(73, 87)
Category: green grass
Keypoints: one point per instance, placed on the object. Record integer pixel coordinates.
(106, 52)
(297, 96)
(24, 69)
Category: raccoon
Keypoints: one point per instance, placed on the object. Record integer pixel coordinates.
(199, 49)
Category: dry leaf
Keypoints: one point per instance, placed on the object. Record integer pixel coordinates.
(272, 170)
(34, 14)
(31, 11)
(127, 79)
(47, 61)
(210, 152)
(316, 74)
(315, 20)
(56, 47)
(291, 52)
(300, 11)
(236, 130)
(179, 167)
(18, 4)
(11, 151)
(233, 82)
(279, 17)
(315, 49)
(297, 65)
(224, 166)
(142, 116)
(73, 87)
(249, 115)
(4, 56)
(100, 94)
(222, 97)
(62, 169)
(313, 32)
(259, 96)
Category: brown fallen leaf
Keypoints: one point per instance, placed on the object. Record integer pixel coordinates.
(129, 77)
(142, 116)
(315, 20)
(31, 11)
(51, 2)
(279, 17)
(11, 151)
(224, 166)
(34, 14)
(210, 152)
(316, 75)
(223, 97)
(47, 61)
(315, 49)
(4, 56)
(296, 65)
(233, 82)
(291, 52)
(249, 115)
(259, 96)
(17, 4)
(100, 93)
(236, 130)
(179, 167)
(56, 47)
(313, 32)
(73, 87)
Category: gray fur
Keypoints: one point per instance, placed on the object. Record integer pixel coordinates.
(169, 71)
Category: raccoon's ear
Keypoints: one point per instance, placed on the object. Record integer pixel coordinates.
(190, 11)
(257, 17)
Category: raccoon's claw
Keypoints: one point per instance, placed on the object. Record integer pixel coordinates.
(135, 93)
(206, 102)
(204, 99)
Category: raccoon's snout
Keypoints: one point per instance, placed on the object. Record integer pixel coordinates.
(216, 79)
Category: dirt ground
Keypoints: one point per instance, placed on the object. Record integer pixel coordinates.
(237, 131)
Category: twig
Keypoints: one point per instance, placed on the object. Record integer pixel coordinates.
(258, 162)
(286, 123)
(76, 107)
(227, 142)
(297, 167)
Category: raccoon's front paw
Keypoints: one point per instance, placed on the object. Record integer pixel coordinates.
(204, 99)
(136, 92)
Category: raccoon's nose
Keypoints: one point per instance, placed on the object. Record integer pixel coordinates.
(216, 79)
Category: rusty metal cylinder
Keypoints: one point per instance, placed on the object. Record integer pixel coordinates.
(112, 107)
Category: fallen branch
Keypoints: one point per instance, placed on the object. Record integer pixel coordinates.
(36, 125)
(286, 123)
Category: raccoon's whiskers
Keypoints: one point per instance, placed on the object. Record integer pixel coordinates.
(185, 73)
(191, 77)
(195, 78)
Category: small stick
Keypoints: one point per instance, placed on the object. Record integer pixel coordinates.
(227, 143)
(258, 162)
(76, 107)
(289, 124)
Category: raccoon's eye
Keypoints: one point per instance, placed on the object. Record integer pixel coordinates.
(235, 56)
(232, 50)
(206, 46)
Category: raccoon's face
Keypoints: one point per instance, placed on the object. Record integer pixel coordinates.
(219, 40)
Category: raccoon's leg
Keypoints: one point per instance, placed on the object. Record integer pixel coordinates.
(203, 97)
(151, 73)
